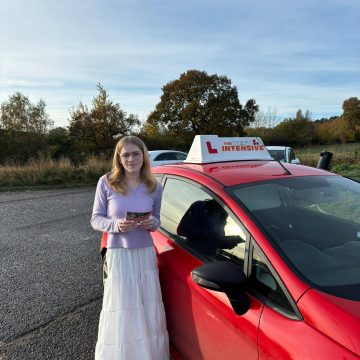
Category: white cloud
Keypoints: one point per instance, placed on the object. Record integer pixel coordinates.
(288, 55)
(28, 83)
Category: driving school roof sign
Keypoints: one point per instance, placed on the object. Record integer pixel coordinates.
(211, 148)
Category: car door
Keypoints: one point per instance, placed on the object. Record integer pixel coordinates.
(201, 323)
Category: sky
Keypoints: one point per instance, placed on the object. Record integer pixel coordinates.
(286, 54)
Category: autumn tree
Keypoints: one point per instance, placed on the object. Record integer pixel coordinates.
(94, 131)
(351, 115)
(332, 131)
(305, 128)
(295, 131)
(198, 103)
(19, 114)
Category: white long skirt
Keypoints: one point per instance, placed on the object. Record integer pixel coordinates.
(132, 322)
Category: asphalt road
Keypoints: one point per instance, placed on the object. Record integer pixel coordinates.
(50, 278)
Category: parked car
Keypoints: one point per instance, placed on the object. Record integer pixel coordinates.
(161, 157)
(256, 262)
(283, 154)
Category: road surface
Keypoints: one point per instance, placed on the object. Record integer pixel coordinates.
(50, 278)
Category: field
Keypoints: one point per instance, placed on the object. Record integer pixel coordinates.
(346, 153)
(47, 173)
(345, 160)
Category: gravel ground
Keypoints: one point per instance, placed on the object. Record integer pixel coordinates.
(50, 277)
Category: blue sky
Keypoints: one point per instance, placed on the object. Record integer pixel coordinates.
(288, 55)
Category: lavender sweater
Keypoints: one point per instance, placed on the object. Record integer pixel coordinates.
(110, 206)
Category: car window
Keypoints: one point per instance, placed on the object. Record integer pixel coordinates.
(278, 155)
(263, 281)
(199, 221)
(166, 156)
(177, 198)
(180, 156)
(292, 155)
(332, 198)
(314, 222)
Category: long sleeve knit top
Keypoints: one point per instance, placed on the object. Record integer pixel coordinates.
(110, 206)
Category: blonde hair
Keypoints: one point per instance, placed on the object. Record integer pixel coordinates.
(116, 177)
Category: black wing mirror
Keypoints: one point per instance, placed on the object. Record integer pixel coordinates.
(226, 277)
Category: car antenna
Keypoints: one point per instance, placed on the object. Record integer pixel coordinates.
(286, 171)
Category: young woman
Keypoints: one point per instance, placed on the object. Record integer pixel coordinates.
(132, 322)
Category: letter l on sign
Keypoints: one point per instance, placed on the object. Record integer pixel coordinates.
(210, 149)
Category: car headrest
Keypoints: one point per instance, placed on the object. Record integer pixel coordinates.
(259, 197)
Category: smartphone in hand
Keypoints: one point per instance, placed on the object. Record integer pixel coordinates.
(137, 216)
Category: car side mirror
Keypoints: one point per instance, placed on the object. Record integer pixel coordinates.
(226, 277)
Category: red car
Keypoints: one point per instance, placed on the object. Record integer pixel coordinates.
(258, 259)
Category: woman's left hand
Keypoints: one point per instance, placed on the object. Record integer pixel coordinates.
(147, 223)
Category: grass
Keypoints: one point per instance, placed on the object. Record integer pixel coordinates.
(47, 173)
(347, 153)
(345, 160)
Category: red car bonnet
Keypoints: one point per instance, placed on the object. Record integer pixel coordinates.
(335, 317)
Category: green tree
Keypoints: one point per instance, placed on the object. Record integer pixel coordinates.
(94, 131)
(58, 144)
(198, 103)
(19, 114)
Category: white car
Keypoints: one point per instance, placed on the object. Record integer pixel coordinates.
(161, 157)
(283, 154)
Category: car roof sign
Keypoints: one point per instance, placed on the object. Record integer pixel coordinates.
(211, 148)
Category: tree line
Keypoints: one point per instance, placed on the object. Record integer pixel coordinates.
(195, 103)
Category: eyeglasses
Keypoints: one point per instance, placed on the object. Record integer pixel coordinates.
(135, 155)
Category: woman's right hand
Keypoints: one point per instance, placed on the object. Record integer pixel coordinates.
(125, 225)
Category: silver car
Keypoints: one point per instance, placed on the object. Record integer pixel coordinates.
(283, 154)
(161, 157)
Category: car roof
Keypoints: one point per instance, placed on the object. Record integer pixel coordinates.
(276, 147)
(157, 152)
(240, 172)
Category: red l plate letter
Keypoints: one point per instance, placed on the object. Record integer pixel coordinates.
(210, 149)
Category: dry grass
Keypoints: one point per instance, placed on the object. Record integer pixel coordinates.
(345, 160)
(47, 172)
(348, 154)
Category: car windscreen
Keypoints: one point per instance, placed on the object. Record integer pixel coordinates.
(314, 222)
(278, 155)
